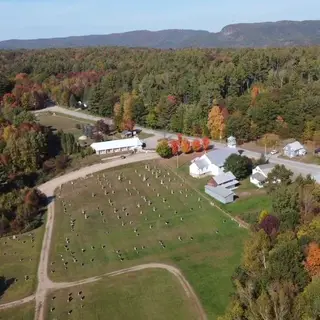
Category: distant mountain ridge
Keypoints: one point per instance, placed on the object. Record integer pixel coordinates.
(263, 34)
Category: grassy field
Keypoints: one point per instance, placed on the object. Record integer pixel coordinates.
(148, 294)
(19, 258)
(196, 237)
(61, 122)
(23, 312)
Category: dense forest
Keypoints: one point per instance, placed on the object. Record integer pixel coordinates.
(279, 277)
(262, 90)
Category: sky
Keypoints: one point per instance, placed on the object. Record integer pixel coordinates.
(30, 19)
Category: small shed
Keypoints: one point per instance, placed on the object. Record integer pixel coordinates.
(221, 194)
(232, 142)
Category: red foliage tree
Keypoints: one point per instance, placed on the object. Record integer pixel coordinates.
(196, 145)
(205, 143)
(174, 144)
(312, 263)
(186, 146)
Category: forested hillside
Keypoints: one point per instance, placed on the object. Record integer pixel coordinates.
(263, 34)
(263, 90)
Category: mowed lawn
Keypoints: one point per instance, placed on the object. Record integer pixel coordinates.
(127, 219)
(149, 294)
(23, 312)
(19, 258)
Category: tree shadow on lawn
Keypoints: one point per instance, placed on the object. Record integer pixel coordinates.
(5, 285)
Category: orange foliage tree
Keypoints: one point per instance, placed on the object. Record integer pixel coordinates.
(196, 145)
(205, 143)
(312, 263)
(216, 123)
(185, 146)
(174, 144)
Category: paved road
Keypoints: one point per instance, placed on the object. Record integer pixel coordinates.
(296, 167)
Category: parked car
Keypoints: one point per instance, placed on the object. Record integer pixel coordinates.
(274, 152)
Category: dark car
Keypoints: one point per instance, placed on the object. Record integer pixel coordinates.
(122, 157)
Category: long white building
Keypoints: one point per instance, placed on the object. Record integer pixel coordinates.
(117, 145)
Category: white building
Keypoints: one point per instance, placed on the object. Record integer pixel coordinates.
(260, 174)
(117, 145)
(294, 149)
(211, 163)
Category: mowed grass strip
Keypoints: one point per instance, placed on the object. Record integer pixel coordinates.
(196, 237)
(149, 294)
(23, 312)
(19, 258)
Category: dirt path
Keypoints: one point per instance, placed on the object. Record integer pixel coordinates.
(45, 284)
(17, 302)
(173, 270)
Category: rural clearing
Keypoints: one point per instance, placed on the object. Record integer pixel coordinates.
(177, 228)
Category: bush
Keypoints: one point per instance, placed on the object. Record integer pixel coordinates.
(163, 149)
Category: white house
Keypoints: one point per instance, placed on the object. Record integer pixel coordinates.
(294, 149)
(211, 163)
(232, 142)
(117, 145)
(260, 174)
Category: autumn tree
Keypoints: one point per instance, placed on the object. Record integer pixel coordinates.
(205, 143)
(312, 263)
(174, 144)
(216, 123)
(196, 145)
(256, 253)
(186, 146)
(127, 106)
(117, 115)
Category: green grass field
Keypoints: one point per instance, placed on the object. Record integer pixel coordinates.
(23, 312)
(19, 258)
(148, 294)
(197, 238)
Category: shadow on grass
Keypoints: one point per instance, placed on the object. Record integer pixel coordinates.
(5, 284)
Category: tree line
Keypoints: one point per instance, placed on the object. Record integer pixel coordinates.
(218, 92)
(279, 277)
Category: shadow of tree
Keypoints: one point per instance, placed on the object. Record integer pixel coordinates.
(5, 284)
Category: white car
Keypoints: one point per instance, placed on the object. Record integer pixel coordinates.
(274, 152)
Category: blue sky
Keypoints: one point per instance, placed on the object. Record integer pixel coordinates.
(27, 19)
